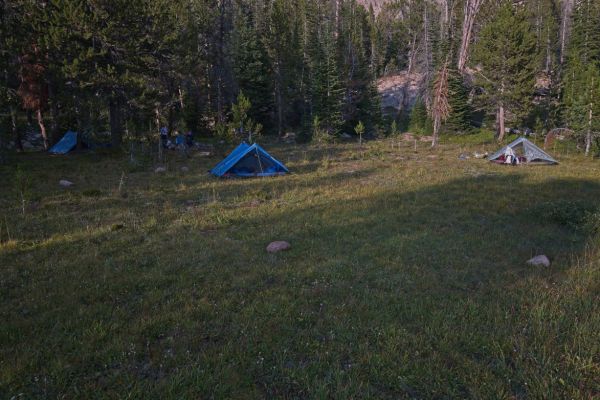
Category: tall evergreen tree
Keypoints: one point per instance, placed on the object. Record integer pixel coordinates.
(459, 118)
(581, 94)
(506, 56)
(326, 91)
(251, 66)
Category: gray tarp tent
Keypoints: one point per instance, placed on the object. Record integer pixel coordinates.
(525, 150)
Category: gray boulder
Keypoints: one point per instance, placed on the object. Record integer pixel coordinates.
(277, 246)
(65, 183)
(539, 261)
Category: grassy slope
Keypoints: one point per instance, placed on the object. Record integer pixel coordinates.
(406, 279)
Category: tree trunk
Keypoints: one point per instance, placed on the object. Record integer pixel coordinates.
(220, 63)
(436, 129)
(470, 12)
(428, 56)
(548, 50)
(54, 134)
(564, 27)
(500, 122)
(116, 128)
(160, 145)
(40, 120)
(337, 18)
(1, 150)
(412, 53)
(279, 100)
(170, 120)
(588, 136)
(180, 97)
(15, 130)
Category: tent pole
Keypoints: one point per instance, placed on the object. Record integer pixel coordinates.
(259, 163)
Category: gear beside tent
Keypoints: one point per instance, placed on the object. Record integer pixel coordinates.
(519, 151)
(249, 160)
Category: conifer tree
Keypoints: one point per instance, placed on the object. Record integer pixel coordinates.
(326, 91)
(251, 64)
(459, 119)
(282, 43)
(581, 95)
(505, 54)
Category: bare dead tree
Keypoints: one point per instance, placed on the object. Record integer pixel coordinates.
(565, 25)
(471, 9)
(440, 109)
(588, 136)
(33, 89)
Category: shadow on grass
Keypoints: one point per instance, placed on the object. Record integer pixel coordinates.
(413, 294)
(421, 294)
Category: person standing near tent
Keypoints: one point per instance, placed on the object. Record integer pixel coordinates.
(510, 157)
(180, 143)
(189, 138)
(164, 137)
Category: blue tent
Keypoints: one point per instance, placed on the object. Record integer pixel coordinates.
(66, 144)
(249, 160)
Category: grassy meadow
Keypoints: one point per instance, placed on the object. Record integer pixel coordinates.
(406, 278)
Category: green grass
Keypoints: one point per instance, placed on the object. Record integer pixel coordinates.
(406, 278)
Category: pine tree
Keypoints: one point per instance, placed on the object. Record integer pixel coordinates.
(419, 120)
(361, 100)
(326, 91)
(440, 107)
(581, 98)
(251, 64)
(13, 36)
(506, 53)
(283, 46)
(459, 119)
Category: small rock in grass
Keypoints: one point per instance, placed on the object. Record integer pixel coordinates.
(185, 169)
(160, 170)
(278, 246)
(539, 261)
(464, 156)
(65, 183)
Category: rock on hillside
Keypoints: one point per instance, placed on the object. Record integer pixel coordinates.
(400, 91)
(377, 4)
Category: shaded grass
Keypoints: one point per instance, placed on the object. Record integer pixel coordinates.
(406, 279)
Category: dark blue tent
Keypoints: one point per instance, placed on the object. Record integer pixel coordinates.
(249, 160)
(66, 144)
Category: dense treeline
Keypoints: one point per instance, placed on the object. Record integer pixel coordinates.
(218, 67)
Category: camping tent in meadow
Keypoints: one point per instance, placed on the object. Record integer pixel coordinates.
(521, 150)
(66, 144)
(249, 160)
